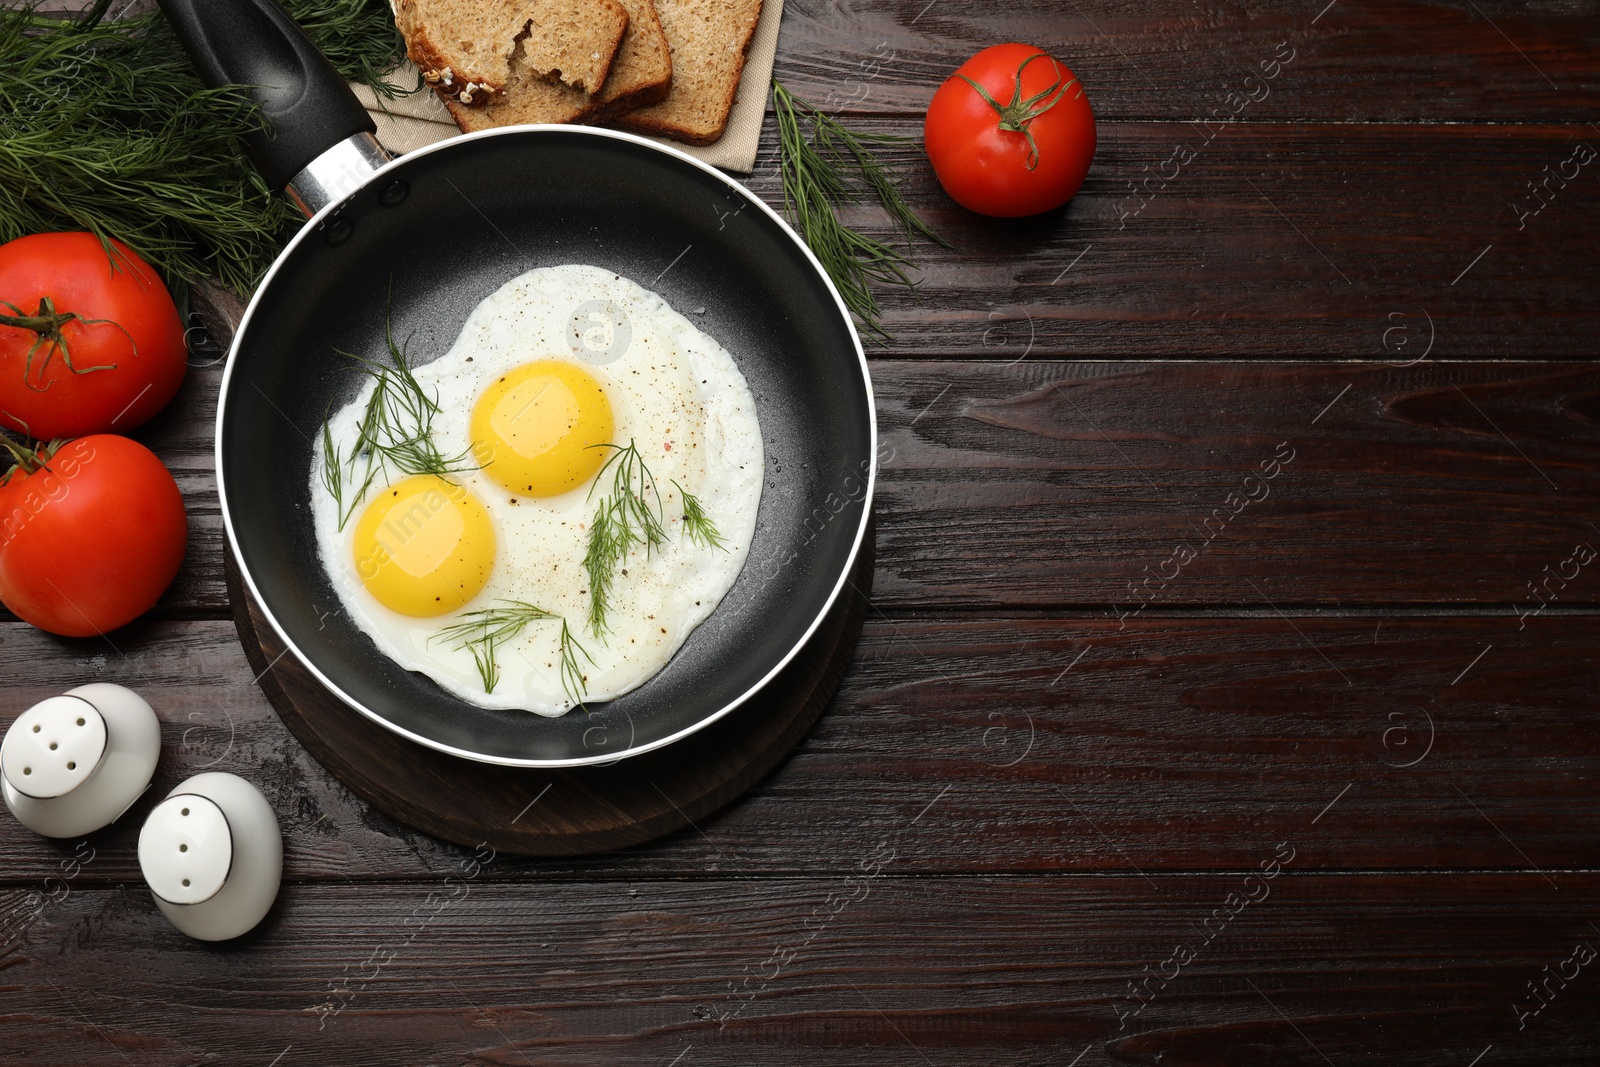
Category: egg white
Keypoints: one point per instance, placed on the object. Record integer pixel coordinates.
(674, 391)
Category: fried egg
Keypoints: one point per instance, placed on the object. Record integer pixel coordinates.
(558, 381)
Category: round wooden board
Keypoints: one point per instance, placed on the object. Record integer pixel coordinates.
(559, 811)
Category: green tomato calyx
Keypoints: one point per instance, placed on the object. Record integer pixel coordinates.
(1019, 113)
(27, 460)
(47, 324)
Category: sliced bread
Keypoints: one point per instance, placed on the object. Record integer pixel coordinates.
(573, 41)
(463, 47)
(641, 73)
(708, 39)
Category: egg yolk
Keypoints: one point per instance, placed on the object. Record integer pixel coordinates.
(535, 427)
(423, 546)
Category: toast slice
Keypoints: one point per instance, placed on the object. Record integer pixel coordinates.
(462, 47)
(574, 41)
(641, 73)
(708, 39)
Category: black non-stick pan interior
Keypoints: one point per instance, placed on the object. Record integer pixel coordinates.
(422, 245)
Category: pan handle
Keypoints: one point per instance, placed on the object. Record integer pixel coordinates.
(319, 142)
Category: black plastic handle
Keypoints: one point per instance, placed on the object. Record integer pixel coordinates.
(254, 43)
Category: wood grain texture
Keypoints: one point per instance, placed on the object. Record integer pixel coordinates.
(1357, 60)
(1093, 485)
(875, 968)
(1048, 745)
(560, 811)
(1056, 484)
(1269, 240)
(1046, 771)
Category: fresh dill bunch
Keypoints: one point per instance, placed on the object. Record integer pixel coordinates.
(483, 631)
(624, 518)
(395, 434)
(359, 38)
(826, 171)
(105, 127)
(697, 524)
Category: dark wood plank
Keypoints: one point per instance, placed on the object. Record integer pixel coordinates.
(870, 969)
(1272, 240)
(1034, 743)
(1057, 484)
(1359, 60)
(1090, 484)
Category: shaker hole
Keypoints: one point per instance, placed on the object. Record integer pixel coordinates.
(185, 811)
(80, 723)
(186, 883)
(183, 848)
(72, 765)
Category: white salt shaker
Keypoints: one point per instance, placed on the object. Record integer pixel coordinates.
(72, 764)
(212, 855)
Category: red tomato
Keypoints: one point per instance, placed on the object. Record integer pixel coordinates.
(90, 342)
(1010, 132)
(90, 536)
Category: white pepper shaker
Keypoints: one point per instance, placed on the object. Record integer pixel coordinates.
(73, 764)
(212, 855)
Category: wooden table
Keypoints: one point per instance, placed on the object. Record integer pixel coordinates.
(1228, 695)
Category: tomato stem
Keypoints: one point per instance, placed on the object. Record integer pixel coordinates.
(44, 322)
(1019, 113)
(47, 324)
(27, 459)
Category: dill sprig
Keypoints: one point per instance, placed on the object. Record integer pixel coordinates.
(825, 171)
(105, 127)
(697, 524)
(395, 433)
(333, 471)
(624, 518)
(572, 677)
(606, 549)
(632, 487)
(482, 632)
(397, 424)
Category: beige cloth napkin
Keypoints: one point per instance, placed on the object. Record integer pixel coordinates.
(412, 121)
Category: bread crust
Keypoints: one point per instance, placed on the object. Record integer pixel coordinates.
(560, 104)
(662, 123)
(642, 96)
(643, 19)
(529, 98)
(469, 88)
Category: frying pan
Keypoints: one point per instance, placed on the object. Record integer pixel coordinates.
(422, 240)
